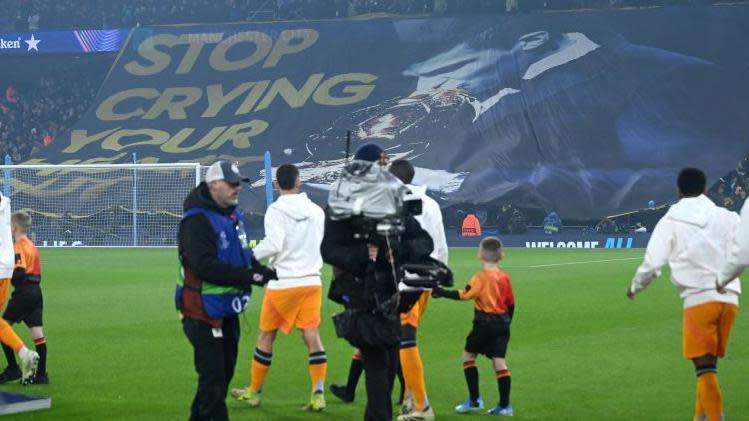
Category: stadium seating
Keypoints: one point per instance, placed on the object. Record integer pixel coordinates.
(64, 14)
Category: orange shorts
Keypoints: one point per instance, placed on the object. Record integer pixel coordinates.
(4, 291)
(413, 317)
(286, 308)
(706, 329)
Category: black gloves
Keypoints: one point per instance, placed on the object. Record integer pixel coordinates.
(447, 293)
(260, 274)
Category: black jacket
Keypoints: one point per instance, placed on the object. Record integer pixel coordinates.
(197, 244)
(349, 257)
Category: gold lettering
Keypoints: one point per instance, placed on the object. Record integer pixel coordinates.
(42, 161)
(251, 99)
(239, 138)
(217, 100)
(357, 93)
(156, 137)
(174, 145)
(174, 101)
(295, 98)
(89, 190)
(220, 62)
(284, 45)
(80, 138)
(104, 160)
(148, 50)
(148, 160)
(106, 112)
(196, 43)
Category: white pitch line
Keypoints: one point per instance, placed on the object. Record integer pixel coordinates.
(582, 263)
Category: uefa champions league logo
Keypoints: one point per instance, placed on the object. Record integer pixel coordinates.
(223, 241)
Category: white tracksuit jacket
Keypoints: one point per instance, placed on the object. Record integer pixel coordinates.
(294, 228)
(7, 255)
(694, 238)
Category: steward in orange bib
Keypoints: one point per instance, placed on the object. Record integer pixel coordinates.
(471, 226)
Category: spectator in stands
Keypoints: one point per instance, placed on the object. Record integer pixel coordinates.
(61, 14)
(727, 202)
(503, 218)
(552, 223)
(33, 21)
(32, 114)
(517, 223)
(607, 226)
(740, 193)
(483, 216)
(457, 220)
(730, 190)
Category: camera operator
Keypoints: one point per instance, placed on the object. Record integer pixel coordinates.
(365, 269)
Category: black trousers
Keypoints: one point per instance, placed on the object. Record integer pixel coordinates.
(215, 358)
(380, 366)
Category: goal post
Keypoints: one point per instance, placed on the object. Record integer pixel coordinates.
(101, 205)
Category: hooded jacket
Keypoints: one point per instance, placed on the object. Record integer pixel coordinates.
(738, 258)
(294, 228)
(431, 221)
(694, 238)
(198, 247)
(7, 255)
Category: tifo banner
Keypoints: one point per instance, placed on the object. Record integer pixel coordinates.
(585, 113)
(67, 42)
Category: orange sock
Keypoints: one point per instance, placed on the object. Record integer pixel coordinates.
(8, 336)
(260, 367)
(698, 409)
(318, 369)
(708, 393)
(413, 373)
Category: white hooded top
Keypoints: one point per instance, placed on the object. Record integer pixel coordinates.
(7, 255)
(294, 228)
(738, 256)
(431, 222)
(694, 238)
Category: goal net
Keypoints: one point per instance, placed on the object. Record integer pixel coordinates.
(106, 205)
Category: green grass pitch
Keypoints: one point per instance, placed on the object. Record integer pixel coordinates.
(579, 350)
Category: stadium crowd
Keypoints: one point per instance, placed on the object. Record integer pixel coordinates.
(34, 111)
(730, 191)
(33, 15)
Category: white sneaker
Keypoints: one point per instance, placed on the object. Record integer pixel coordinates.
(426, 415)
(237, 392)
(28, 366)
(408, 405)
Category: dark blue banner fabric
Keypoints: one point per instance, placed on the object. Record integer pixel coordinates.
(62, 42)
(585, 113)
(570, 238)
